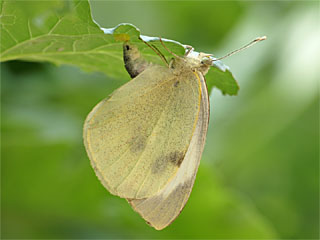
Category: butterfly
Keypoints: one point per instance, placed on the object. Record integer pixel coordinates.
(146, 139)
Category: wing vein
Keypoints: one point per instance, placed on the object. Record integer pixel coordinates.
(139, 157)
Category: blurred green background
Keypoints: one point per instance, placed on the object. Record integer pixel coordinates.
(259, 174)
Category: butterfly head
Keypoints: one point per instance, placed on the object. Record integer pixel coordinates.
(200, 62)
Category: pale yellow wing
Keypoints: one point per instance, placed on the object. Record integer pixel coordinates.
(160, 210)
(137, 138)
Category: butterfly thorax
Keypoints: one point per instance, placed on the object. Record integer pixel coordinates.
(189, 63)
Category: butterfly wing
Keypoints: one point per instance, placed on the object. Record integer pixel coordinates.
(138, 137)
(160, 210)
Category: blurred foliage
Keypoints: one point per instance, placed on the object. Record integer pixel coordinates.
(259, 175)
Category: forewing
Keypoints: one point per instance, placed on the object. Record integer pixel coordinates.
(160, 210)
(138, 137)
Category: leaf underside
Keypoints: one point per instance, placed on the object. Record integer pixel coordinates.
(63, 32)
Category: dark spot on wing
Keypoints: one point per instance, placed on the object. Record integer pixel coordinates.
(162, 162)
(176, 158)
(138, 143)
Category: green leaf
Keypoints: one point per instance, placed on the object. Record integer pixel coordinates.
(63, 32)
(219, 76)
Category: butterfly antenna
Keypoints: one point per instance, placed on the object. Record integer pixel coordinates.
(258, 39)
